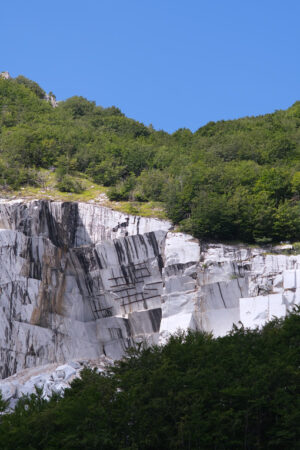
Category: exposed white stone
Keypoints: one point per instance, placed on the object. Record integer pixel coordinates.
(64, 372)
(181, 248)
(282, 247)
(217, 321)
(99, 224)
(5, 75)
(79, 280)
(289, 279)
(256, 311)
(48, 379)
(174, 323)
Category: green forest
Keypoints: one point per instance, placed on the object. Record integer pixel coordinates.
(238, 392)
(229, 180)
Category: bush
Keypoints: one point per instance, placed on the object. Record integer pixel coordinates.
(32, 85)
(211, 217)
(107, 172)
(150, 185)
(122, 190)
(16, 177)
(69, 184)
(78, 106)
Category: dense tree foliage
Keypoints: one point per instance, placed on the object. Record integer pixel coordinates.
(237, 179)
(240, 391)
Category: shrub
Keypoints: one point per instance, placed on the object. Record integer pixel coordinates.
(69, 184)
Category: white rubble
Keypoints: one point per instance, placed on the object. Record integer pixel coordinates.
(49, 379)
(78, 281)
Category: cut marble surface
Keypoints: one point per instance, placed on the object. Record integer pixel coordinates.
(79, 281)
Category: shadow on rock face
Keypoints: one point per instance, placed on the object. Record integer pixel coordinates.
(62, 301)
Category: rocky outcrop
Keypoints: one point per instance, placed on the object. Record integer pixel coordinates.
(5, 75)
(52, 100)
(79, 281)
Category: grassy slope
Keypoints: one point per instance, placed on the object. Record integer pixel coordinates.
(92, 192)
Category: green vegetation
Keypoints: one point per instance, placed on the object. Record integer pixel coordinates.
(236, 392)
(230, 180)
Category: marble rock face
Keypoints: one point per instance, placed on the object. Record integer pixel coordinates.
(79, 281)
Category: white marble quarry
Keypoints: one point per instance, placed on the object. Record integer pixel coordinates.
(79, 281)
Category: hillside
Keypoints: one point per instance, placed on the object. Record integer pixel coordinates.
(230, 180)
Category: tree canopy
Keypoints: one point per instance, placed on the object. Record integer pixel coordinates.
(240, 391)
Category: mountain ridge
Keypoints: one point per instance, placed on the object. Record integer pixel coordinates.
(230, 180)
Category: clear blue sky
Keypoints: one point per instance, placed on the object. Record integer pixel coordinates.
(172, 63)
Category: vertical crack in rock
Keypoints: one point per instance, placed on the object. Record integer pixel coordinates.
(221, 295)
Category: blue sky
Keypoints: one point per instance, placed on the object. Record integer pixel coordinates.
(172, 63)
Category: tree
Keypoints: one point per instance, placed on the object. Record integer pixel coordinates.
(286, 221)
(78, 106)
(32, 85)
(275, 182)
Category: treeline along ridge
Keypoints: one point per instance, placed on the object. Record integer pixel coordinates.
(230, 180)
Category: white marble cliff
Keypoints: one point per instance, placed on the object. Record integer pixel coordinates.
(82, 282)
